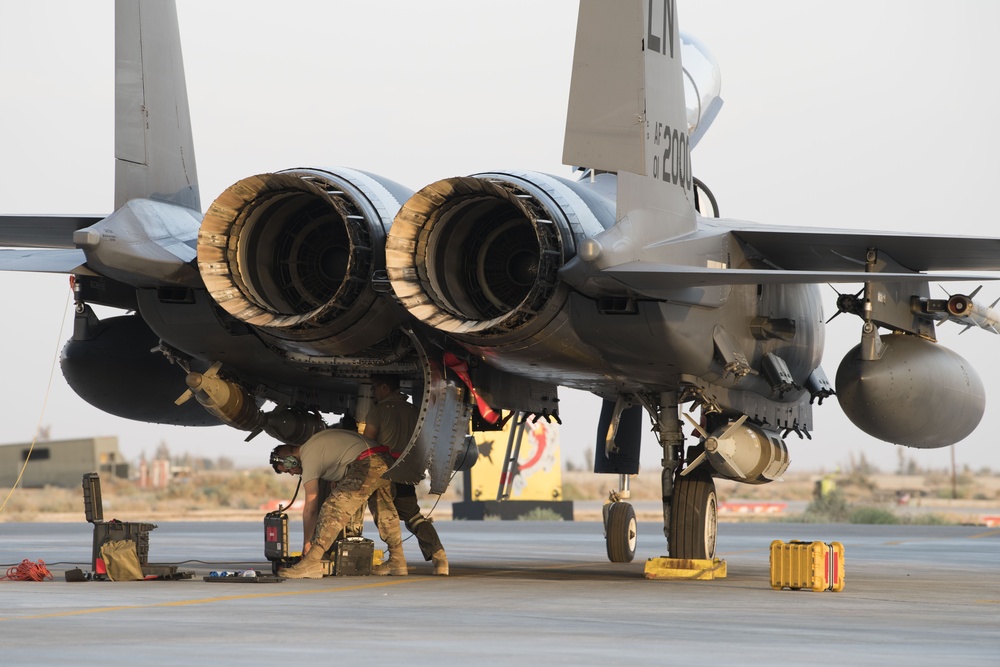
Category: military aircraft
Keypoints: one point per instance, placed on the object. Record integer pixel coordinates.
(489, 292)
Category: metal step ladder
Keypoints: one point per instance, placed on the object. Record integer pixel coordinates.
(510, 466)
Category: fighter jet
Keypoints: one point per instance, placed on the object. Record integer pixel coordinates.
(487, 293)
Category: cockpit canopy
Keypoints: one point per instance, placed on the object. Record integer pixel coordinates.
(702, 86)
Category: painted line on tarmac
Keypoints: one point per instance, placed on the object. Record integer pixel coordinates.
(992, 533)
(213, 600)
(915, 540)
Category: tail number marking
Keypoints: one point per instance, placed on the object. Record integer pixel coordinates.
(676, 159)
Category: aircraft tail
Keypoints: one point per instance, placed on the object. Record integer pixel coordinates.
(154, 150)
(627, 112)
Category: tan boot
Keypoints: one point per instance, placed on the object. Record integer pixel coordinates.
(440, 561)
(310, 567)
(394, 567)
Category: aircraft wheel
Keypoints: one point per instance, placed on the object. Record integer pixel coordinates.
(620, 533)
(693, 517)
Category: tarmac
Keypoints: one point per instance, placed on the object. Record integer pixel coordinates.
(520, 592)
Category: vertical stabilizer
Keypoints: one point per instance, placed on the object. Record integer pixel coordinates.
(604, 122)
(626, 103)
(627, 114)
(154, 151)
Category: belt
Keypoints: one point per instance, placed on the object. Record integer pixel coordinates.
(382, 449)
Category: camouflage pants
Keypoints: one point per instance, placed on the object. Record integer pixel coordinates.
(404, 499)
(362, 480)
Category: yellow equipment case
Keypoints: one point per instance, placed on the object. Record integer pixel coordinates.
(817, 566)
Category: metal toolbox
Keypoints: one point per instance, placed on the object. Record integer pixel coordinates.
(817, 566)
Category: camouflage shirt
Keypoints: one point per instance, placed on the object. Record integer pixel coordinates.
(327, 454)
(395, 419)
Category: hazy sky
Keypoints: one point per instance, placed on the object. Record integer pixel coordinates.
(863, 114)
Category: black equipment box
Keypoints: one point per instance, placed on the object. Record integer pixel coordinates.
(352, 557)
(349, 556)
(93, 506)
(121, 530)
(111, 531)
(276, 541)
(275, 536)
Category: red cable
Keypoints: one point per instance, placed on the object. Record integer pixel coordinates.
(28, 571)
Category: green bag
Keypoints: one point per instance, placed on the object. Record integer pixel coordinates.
(121, 560)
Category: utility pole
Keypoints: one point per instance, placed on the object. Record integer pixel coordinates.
(954, 477)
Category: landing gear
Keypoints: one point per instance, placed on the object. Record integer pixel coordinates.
(693, 517)
(690, 507)
(620, 532)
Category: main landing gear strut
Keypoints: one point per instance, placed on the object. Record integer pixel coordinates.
(690, 506)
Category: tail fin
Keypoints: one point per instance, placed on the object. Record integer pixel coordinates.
(627, 112)
(154, 150)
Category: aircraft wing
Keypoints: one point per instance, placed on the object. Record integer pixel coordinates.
(795, 255)
(42, 243)
(42, 231)
(647, 276)
(806, 249)
(663, 281)
(42, 260)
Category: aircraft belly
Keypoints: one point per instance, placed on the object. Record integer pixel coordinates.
(608, 353)
(557, 353)
(585, 347)
(801, 305)
(194, 329)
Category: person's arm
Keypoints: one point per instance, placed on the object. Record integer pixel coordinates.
(310, 513)
(371, 425)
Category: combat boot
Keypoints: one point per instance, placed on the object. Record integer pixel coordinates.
(309, 567)
(395, 566)
(440, 561)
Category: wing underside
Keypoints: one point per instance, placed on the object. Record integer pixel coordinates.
(789, 255)
(797, 249)
(42, 231)
(42, 243)
(44, 260)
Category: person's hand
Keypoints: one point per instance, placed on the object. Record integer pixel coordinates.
(306, 547)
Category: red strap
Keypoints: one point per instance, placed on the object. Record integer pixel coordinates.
(461, 369)
(382, 449)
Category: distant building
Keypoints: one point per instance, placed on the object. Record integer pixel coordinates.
(61, 462)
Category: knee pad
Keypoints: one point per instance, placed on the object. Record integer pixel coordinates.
(414, 522)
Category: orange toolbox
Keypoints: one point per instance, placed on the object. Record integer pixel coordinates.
(817, 566)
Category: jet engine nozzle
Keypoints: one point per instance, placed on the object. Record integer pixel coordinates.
(917, 393)
(478, 256)
(297, 255)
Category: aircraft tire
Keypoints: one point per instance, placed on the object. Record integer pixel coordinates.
(693, 517)
(621, 533)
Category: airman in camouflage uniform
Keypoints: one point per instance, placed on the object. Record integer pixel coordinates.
(355, 465)
(391, 421)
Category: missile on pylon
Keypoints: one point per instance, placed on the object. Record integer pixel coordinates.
(742, 452)
(963, 310)
(225, 399)
(235, 406)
